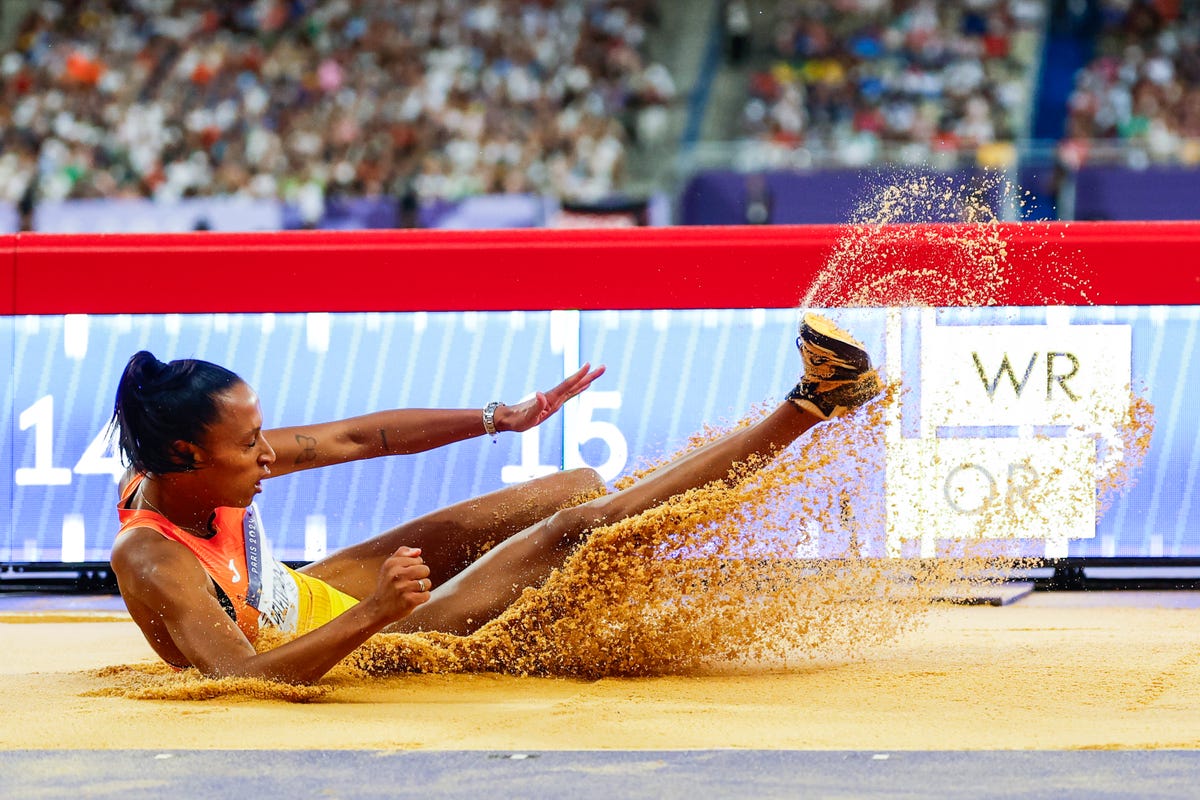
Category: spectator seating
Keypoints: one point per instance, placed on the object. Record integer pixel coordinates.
(305, 99)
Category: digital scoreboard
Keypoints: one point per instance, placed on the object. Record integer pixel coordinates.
(1009, 419)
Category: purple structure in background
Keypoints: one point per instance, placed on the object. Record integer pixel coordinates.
(1042, 181)
(8, 218)
(356, 213)
(1120, 193)
(141, 215)
(724, 197)
(472, 213)
(487, 212)
(348, 214)
(830, 196)
(714, 197)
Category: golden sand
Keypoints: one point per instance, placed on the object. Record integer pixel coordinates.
(1057, 670)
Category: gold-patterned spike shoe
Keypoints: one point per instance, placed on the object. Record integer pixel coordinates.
(838, 376)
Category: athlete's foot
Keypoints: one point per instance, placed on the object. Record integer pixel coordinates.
(838, 377)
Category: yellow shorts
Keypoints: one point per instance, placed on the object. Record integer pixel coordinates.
(319, 602)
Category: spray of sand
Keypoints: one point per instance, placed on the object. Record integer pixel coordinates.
(964, 260)
(782, 560)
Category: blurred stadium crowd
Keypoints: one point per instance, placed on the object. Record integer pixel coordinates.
(441, 98)
(852, 77)
(848, 78)
(428, 100)
(1144, 83)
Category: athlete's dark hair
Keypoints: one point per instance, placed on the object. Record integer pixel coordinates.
(158, 404)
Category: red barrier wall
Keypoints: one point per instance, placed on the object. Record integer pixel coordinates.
(8, 273)
(1144, 263)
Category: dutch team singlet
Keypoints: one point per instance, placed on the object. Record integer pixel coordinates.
(254, 588)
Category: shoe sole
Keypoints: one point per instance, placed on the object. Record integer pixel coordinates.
(823, 333)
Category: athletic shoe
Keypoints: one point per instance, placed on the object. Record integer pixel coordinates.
(838, 377)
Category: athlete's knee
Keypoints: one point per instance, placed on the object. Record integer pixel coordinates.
(584, 481)
(570, 525)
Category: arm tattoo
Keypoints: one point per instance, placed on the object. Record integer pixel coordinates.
(308, 451)
(383, 438)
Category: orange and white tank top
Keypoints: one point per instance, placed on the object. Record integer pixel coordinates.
(253, 586)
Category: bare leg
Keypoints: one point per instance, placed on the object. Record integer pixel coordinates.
(491, 584)
(452, 538)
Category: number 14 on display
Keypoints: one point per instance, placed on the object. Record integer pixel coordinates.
(98, 457)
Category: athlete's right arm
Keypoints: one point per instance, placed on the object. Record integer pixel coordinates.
(168, 595)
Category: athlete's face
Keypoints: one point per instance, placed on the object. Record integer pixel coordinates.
(234, 456)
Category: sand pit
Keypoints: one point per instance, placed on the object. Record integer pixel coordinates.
(1112, 670)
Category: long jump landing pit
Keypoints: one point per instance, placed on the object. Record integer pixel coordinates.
(1099, 670)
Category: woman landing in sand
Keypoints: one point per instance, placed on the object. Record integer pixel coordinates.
(198, 577)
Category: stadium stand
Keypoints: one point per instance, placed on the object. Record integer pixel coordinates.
(1143, 85)
(860, 81)
(304, 99)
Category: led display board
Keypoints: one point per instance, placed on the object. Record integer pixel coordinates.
(999, 405)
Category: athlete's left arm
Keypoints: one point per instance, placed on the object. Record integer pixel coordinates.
(410, 430)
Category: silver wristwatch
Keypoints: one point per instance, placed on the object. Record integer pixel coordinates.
(489, 418)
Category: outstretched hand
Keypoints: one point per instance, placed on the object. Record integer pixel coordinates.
(542, 405)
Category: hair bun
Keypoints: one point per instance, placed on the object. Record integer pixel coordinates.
(145, 369)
